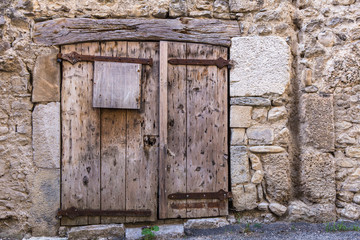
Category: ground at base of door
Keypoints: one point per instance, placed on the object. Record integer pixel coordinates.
(273, 231)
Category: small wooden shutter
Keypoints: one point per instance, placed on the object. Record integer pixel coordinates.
(116, 85)
(194, 144)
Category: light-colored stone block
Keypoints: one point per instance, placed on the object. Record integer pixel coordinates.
(240, 116)
(238, 136)
(260, 135)
(277, 113)
(262, 66)
(266, 149)
(45, 200)
(107, 231)
(240, 172)
(165, 232)
(318, 122)
(277, 208)
(46, 79)
(245, 6)
(244, 196)
(257, 177)
(205, 223)
(46, 135)
(352, 152)
(255, 162)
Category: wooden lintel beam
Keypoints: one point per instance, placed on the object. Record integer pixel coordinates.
(74, 30)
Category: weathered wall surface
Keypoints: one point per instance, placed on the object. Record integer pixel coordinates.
(295, 143)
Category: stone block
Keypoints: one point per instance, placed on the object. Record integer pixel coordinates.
(318, 176)
(277, 209)
(240, 172)
(255, 162)
(257, 177)
(46, 135)
(250, 101)
(356, 198)
(260, 136)
(350, 211)
(318, 122)
(277, 176)
(45, 202)
(165, 232)
(298, 211)
(263, 206)
(266, 149)
(262, 65)
(46, 78)
(259, 115)
(245, 6)
(244, 196)
(238, 136)
(108, 231)
(277, 113)
(240, 116)
(205, 223)
(352, 152)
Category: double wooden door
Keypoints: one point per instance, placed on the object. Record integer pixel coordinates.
(119, 159)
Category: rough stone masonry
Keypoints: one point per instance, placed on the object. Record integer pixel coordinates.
(294, 114)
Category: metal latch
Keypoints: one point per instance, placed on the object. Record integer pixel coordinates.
(74, 212)
(220, 195)
(220, 62)
(74, 57)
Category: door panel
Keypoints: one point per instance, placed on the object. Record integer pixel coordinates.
(110, 156)
(196, 133)
(80, 137)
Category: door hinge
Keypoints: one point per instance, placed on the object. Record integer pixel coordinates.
(220, 195)
(75, 57)
(74, 212)
(220, 62)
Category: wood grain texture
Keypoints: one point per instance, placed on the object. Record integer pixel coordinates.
(177, 111)
(116, 85)
(65, 31)
(163, 119)
(201, 143)
(113, 148)
(143, 137)
(80, 137)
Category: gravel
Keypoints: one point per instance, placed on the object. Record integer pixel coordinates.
(276, 231)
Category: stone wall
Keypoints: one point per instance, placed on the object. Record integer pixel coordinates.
(294, 115)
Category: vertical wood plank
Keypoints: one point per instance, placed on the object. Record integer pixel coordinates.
(163, 118)
(113, 148)
(221, 131)
(176, 139)
(143, 137)
(81, 137)
(201, 139)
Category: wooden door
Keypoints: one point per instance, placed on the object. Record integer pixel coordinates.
(109, 156)
(193, 130)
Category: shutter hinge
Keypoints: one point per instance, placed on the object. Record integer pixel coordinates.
(220, 195)
(220, 62)
(74, 57)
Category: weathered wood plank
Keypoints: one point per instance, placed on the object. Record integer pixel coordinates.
(202, 109)
(113, 148)
(64, 31)
(221, 130)
(116, 85)
(143, 137)
(177, 110)
(163, 119)
(81, 137)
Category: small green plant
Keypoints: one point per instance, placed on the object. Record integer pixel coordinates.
(293, 228)
(257, 225)
(333, 227)
(148, 232)
(247, 228)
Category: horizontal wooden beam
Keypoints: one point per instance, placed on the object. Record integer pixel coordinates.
(74, 30)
